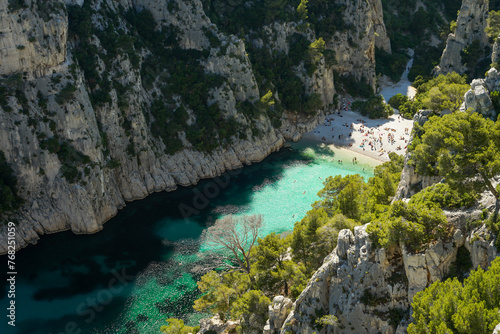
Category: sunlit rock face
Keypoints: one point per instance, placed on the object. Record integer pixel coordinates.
(471, 25)
(113, 155)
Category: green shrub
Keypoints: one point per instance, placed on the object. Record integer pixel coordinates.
(443, 92)
(409, 108)
(176, 326)
(9, 198)
(374, 107)
(453, 307)
(65, 94)
(442, 195)
(415, 225)
(397, 100)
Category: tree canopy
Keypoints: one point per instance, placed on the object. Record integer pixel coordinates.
(453, 307)
(443, 92)
(463, 147)
(493, 29)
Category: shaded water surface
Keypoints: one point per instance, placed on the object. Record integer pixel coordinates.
(143, 266)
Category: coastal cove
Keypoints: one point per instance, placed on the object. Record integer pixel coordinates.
(142, 268)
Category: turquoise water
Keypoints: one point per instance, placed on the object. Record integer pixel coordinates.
(143, 267)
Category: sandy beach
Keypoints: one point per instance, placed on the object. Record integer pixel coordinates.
(374, 138)
(345, 129)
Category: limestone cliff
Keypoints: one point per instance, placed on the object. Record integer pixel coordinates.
(471, 25)
(33, 38)
(370, 289)
(355, 47)
(76, 123)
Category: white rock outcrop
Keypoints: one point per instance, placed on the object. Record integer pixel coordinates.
(355, 47)
(478, 98)
(471, 25)
(278, 311)
(370, 289)
(216, 324)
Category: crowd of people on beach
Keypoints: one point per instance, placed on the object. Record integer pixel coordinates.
(377, 138)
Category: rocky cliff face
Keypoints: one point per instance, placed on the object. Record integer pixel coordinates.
(355, 47)
(471, 25)
(370, 289)
(80, 156)
(33, 38)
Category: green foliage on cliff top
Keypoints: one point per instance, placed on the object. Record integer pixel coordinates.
(415, 225)
(453, 307)
(444, 92)
(176, 326)
(463, 147)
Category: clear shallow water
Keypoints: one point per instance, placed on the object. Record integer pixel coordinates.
(142, 268)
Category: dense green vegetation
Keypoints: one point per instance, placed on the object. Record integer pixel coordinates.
(409, 26)
(9, 198)
(453, 307)
(444, 92)
(373, 107)
(459, 147)
(176, 326)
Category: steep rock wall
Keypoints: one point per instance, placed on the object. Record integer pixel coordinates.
(365, 287)
(34, 38)
(471, 25)
(108, 147)
(355, 47)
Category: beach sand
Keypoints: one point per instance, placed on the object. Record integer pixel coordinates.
(372, 138)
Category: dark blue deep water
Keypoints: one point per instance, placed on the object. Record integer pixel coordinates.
(143, 267)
